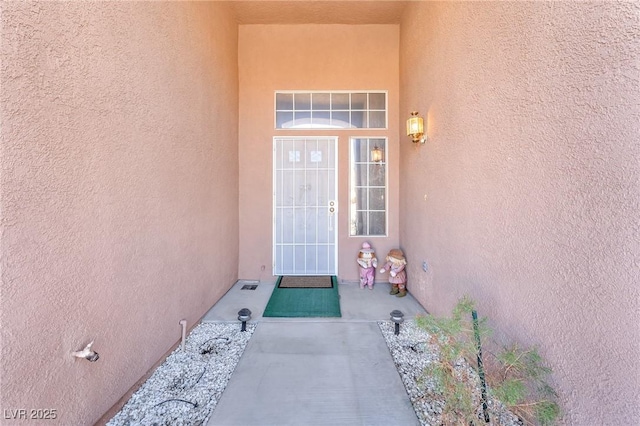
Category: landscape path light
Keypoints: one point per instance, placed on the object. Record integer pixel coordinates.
(244, 315)
(397, 317)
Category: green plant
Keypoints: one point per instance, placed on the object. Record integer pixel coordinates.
(451, 336)
(520, 383)
(515, 376)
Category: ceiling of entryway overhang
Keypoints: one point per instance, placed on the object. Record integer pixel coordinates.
(317, 12)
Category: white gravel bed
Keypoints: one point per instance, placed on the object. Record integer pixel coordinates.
(412, 353)
(185, 389)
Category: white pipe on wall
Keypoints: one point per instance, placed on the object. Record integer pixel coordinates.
(183, 323)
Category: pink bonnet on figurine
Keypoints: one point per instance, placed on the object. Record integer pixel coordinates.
(366, 248)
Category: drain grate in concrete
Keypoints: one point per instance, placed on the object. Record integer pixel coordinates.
(249, 287)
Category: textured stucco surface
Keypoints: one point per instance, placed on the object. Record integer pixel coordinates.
(119, 191)
(119, 176)
(309, 57)
(317, 12)
(526, 196)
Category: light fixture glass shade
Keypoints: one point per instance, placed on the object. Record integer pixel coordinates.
(415, 126)
(376, 155)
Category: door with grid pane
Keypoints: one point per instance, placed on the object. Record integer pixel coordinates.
(305, 206)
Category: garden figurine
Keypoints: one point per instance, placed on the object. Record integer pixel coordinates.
(367, 263)
(397, 275)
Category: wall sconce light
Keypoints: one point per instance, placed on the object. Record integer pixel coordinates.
(415, 128)
(376, 155)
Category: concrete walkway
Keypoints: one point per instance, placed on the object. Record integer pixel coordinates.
(315, 371)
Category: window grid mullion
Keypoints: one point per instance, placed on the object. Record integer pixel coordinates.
(316, 112)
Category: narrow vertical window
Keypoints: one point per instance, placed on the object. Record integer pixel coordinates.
(368, 187)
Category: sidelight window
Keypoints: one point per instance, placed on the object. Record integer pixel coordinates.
(368, 187)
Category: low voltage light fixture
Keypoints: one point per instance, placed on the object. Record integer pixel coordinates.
(244, 315)
(397, 317)
(415, 128)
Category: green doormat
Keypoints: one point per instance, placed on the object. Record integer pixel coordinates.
(304, 302)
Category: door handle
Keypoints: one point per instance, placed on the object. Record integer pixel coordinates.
(332, 210)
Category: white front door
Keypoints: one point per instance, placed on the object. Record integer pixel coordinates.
(305, 206)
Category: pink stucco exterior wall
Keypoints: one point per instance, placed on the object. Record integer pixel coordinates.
(309, 57)
(526, 196)
(120, 185)
(119, 192)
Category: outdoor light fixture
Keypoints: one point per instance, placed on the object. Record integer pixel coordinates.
(397, 318)
(244, 315)
(415, 128)
(376, 155)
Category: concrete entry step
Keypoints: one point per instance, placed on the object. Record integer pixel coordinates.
(322, 373)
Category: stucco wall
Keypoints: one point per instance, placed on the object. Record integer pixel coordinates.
(119, 191)
(309, 57)
(526, 196)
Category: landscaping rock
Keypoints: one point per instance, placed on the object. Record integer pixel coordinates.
(412, 354)
(185, 389)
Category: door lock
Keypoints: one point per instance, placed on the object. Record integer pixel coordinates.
(332, 211)
(332, 207)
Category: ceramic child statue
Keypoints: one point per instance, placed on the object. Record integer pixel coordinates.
(367, 263)
(397, 275)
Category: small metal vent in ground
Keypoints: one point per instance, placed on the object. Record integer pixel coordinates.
(249, 287)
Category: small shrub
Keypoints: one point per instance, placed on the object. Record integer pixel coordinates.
(519, 381)
(515, 376)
